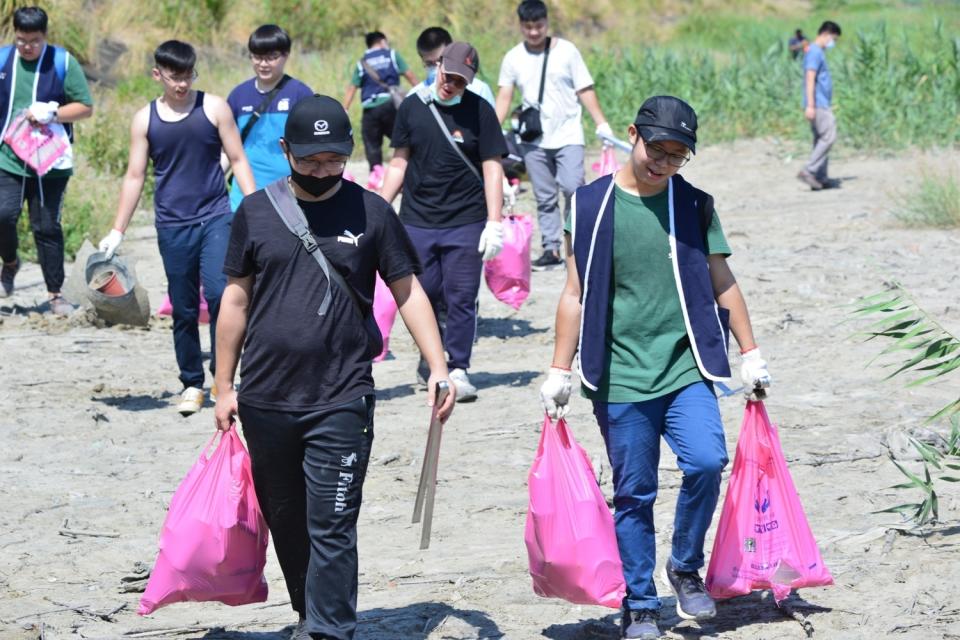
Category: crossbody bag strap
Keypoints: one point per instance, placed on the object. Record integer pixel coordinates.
(262, 107)
(543, 74)
(453, 143)
(373, 74)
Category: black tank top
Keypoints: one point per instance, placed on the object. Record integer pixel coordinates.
(191, 186)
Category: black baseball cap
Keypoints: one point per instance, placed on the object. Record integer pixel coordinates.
(318, 124)
(667, 118)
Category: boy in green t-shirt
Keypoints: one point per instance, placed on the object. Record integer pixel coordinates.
(49, 83)
(647, 304)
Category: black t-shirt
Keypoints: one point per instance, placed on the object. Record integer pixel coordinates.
(439, 190)
(294, 359)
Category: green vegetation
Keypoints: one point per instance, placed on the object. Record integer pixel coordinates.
(896, 69)
(935, 202)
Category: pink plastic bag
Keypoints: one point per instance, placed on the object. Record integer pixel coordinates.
(571, 542)
(166, 308)
(608, 162)
(213, 545)
(375, 179)
(385, 313)
(763, 539)
(508, 275)
(40, 147)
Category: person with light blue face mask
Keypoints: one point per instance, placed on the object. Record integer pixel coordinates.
(817, 107)
(447, 150)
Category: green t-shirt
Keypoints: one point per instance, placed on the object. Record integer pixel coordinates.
(74, 87)
(357, 79)
(648, 351)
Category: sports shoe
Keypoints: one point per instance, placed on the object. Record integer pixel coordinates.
(191, 401)
(300, 631)
(7, 273)
(465, 390)
(59, 306)
(640, 624)
(808, 178)
(547, 260)
(693, 601)
(423, 374)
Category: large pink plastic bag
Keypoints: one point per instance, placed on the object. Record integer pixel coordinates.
(763, 539)
(39, 147)
(213, 545)
(608, 162)
(166, 308)
(508, 275)
(571, 542)
(385, 313)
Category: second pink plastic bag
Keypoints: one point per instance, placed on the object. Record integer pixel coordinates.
(213, 545)
(763, 539)
(166, 308)
(571, 542)
(508, 275)
(385, 313)
(608, 162)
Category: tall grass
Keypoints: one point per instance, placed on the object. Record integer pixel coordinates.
(934, 203)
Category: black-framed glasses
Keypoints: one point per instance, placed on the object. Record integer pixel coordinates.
(657, 153)
(182, 77)
(269, 57)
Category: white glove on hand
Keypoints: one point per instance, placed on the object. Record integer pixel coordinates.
(555, 393)
(754, 374)
(44, 112)
(491, 240)
(110, 243)
(604, 130)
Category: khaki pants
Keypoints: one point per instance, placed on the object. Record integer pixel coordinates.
(824, 128)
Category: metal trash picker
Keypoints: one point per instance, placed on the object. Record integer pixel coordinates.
(423, 507)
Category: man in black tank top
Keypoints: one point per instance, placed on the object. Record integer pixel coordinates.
(183, 132)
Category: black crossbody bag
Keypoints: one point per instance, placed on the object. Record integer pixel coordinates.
(530, 127)
(255, 118)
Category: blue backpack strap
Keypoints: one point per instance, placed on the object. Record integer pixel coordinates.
(59, 62)
(5, 55)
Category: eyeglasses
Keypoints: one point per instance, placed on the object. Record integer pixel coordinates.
(29, 44)
(270, 57)
(658, 153)
(330, 166)
(183, 77)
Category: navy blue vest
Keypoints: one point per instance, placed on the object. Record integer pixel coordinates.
(592, 225)
(384, 63)
(49, 86)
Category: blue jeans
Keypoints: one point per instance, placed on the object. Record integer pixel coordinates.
(689, 420)
(194, 254)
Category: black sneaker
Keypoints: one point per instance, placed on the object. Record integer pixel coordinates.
(547, 260)
(640, 624)
(693, 601)
(7, 273)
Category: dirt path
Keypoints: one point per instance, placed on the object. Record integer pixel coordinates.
(91, 438)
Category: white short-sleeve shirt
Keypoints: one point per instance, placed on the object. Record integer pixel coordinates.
(567, 74)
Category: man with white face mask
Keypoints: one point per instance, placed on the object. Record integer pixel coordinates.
(448, 147)
(817, 100)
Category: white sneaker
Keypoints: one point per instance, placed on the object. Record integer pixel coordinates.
(191, 401)
(465, 390)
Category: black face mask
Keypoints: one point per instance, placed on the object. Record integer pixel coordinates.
(313, 185)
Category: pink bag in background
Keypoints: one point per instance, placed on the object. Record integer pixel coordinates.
(385, 313)
(763, 540)
(166, 307)
(375, 179)
(608, 162)
(508, 275)
(571, 542)
(213, 545)
(40, 147)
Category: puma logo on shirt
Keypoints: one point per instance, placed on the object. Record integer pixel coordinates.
(347, 237)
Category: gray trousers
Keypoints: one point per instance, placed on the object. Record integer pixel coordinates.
(824, 127)
(552, 171)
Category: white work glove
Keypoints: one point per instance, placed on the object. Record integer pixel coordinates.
(110, 243)
(44, 112)
(555, 393)
(754, 374)
(604, 130)
(491, 240)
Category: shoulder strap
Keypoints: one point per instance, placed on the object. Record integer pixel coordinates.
(262, 107)
(289, 210)
(543, 73)
(453, 143)
(60, 62)
(373, 74)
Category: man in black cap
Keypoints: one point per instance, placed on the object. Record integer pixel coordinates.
(306, 395)
(646, 250)
(448, 149)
